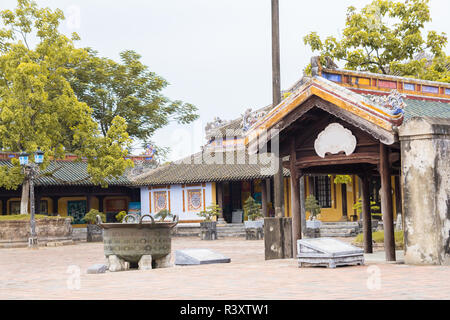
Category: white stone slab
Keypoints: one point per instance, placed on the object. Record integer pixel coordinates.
(328, 252)
(199, 256)
(327, 246)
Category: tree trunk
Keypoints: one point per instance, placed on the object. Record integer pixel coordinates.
(25, 197)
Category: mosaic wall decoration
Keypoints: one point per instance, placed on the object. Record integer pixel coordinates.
(194, 200)
(160, 200)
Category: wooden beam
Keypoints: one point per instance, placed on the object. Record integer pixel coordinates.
(372, 158)
(386, 203)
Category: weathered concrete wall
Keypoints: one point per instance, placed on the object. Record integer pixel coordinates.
(15, 233)
(425, 152)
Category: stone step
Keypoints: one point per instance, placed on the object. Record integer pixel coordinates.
(332, 235)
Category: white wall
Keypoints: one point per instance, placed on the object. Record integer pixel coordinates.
(176, 200)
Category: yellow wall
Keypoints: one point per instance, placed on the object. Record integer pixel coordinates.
(334, 213)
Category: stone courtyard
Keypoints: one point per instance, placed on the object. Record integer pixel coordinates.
(59, 273)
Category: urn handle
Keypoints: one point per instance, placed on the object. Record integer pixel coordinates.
(147, 215)
(175, 218)
(98, 220)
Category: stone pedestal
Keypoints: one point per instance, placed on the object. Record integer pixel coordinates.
(254, 233)
(312, 233)
(94, 233)
(425, 181)
(208, 230)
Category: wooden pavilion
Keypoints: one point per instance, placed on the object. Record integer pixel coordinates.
(325, 128)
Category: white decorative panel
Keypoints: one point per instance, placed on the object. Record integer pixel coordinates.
(334, 139)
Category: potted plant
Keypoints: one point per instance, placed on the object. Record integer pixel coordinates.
(254, 224)
(313, 207)
(208, 227)
(94, 232)
(163, 214)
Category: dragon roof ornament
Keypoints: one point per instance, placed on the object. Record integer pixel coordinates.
(393, 103)
(249, 118)
(215, 124)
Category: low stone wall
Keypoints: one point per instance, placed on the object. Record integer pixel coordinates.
(15, 233)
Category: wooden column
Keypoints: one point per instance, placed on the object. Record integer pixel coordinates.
(386, 203)
(88, 202)
(264, 208)
(37, 201)
(302, 203)
(295, 196)
(365, 214)
(55, 205)
(4, 206)
(268, 190)
(276, 99)
(344, 202)
(100, 203)
(220, 198)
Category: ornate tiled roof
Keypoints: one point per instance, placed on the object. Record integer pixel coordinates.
(198, 168)
(71, 173)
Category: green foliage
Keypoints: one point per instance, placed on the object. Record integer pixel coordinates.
(374, 208)
(127, 89)
(119, 217)
(27, 217)
(38, 107)
(378, 237)
(385, 37)
(163, 214)
(91, 216)
(211, 211)
(252, 209)
(312, 206)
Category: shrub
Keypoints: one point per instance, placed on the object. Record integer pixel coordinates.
(90, 217)
(27, 217)
(252, 209)
(378, 237)
(163, 214)
(120, 216)
(211, 211)
(312, 206)
(373, 208)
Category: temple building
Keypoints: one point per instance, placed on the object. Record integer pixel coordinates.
(225, 173)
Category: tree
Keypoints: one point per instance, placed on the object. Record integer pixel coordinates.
(129, 90)
(38, 107)
(388, 37)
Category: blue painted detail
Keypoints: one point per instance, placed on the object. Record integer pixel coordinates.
(447, 91)
(409, 86)
(332, 77)
(11, 156)
(430, 89)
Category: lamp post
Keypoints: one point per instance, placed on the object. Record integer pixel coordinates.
(31, 170)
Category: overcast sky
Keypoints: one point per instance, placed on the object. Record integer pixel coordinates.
(215, 54)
